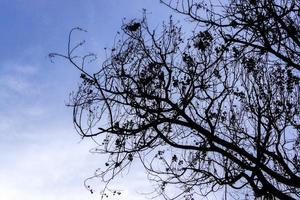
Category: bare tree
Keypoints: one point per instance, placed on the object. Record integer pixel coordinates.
(215, 107)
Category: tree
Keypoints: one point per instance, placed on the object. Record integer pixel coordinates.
(214, 108)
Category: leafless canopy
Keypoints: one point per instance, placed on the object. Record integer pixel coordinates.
(216, 106)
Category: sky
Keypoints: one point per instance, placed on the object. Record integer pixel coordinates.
(42, 157)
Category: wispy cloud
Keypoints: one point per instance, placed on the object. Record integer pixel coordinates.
(14, 84)
(16, 77)
(47, 167)
(20, 68)
(54, 168)
(26, 69)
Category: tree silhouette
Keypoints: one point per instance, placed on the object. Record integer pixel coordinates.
(214, 108)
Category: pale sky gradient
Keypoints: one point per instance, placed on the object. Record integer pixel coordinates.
(42, 158)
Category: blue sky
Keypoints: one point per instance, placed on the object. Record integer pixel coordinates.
(41, 155)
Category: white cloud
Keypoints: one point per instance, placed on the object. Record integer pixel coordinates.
(16, 77)
(19, 68)
(5, 124)
(54, 166)
(12, 83)
(35, 111)
(25, 69)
